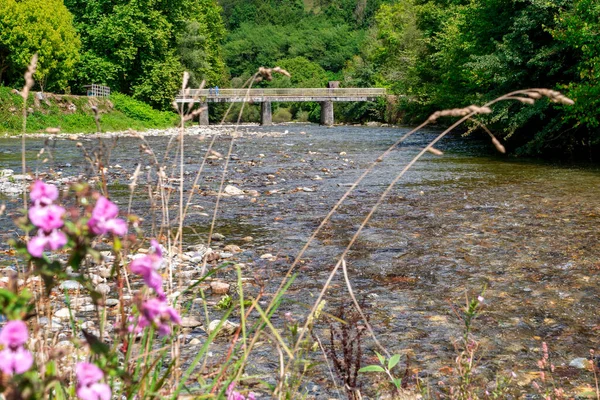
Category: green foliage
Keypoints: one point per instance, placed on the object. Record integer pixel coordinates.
(141, 111)
(120, 114)
(314, 38)
(138, 48)
(42, 27)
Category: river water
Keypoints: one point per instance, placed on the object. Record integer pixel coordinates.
(526, 231)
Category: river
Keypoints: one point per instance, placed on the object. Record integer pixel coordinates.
(525, 231)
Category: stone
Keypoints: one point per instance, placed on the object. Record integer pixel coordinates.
(111, 302)
(233, 191)
(232, 248)
(580, 363)
(217, 237)
(266, 256)
(63, 313)
(219, 287)
(103, 289)
(71, 285)
(213, 256)
(228, 327)
(190, 322)
(226, 254)
(194, 342)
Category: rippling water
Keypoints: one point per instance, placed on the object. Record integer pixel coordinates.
(525, 231)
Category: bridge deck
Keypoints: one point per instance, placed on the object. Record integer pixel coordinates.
(279, 94)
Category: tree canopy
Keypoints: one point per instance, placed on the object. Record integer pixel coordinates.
(43, 27)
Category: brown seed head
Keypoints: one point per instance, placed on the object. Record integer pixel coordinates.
(29, 77)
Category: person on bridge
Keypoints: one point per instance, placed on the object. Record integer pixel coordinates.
(216, 90)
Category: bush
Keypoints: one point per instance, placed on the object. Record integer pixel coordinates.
(282, 115)
(141, 111)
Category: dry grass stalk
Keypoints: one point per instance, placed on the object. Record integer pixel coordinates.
(466, 114)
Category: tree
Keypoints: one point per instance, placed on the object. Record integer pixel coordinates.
(44, 27)
(127, 43)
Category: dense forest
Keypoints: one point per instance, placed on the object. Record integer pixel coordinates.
(429, 54)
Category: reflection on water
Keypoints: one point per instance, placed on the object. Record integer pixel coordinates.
(525, 231)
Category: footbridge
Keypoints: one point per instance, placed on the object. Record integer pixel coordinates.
(325, 96)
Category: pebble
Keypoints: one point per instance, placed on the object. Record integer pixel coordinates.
(103, 288)
(71, 285)
(111, 302)
(233, 191)
(190, 322)
(194, 342)
(228, 327)
(581, 363)
(247, 239)
(266, 256)
(232, 248)
(63, 313)
(226, 254)
(217, 236)
(219, 287)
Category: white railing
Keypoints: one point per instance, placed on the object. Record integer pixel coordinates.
(97, 90)
(280, 92)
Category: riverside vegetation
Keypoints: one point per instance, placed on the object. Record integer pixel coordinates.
(429, 54)
(135, 351)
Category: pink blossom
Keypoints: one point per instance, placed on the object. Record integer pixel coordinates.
(159, 313)
(15, 361)
(104, 219)
(88, 386)
(14, 334)
(47, 218)
(233, 395)
(43, 193)
(53, 240)
(147, 266)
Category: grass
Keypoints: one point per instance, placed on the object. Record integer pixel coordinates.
(73, 114)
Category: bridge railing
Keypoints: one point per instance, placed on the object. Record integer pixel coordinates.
(281, 92)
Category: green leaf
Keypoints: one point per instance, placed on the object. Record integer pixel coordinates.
(372, 368)
(393, 361)
(381, 358)
(397, 382)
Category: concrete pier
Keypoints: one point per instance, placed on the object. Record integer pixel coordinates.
(327, 117)
(203, 117)
(266, 117)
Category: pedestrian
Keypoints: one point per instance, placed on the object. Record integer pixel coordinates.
(216, 90)
(210, 90)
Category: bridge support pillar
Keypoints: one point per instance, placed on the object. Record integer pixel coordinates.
(266, 117)
(203, 117)
(327, 117)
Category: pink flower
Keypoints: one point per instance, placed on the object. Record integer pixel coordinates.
(15, 361)
(53, 240)
(104, 219)
(14, 334)
(47, 218)
(88, 388)
(43, 193)
(233, 395)
(147, 266)
(159, 313)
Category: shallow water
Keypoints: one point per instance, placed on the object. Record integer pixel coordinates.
(525, 231)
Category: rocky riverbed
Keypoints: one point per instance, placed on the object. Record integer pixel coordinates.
(524, 231)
